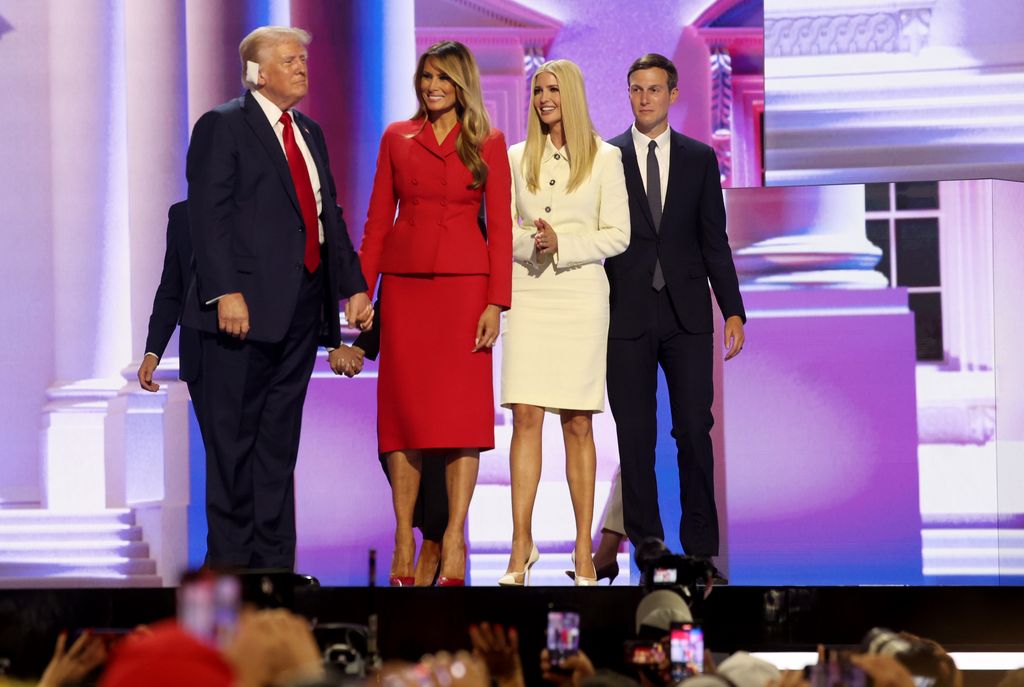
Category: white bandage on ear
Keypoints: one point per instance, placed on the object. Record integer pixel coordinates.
(252, 72)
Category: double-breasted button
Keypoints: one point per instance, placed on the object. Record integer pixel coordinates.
(551, 183)
(444, 182)
(415, 182)
(547, 209)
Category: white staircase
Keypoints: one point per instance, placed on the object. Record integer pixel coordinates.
(45, 549)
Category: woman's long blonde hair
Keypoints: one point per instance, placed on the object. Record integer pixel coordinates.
(580, 137)
(455, 60)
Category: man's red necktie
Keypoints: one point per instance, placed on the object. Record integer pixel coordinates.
(304, 190)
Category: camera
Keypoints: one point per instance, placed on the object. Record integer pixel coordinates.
(920, 658)
(662, 569)
(345, 647)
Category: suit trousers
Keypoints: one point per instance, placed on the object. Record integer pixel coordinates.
(687, 360)
(252, 398)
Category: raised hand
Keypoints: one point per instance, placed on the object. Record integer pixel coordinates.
(71, 666)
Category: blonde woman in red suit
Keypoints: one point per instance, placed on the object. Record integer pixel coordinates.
(446, 286)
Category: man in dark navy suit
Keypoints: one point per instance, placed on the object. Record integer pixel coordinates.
(272, 259)
(661, 310)
(167, 306)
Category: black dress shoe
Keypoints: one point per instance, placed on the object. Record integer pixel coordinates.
(715, 576)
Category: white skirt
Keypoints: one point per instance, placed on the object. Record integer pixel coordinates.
(555, 337)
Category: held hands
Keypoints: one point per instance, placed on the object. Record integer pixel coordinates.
(233, 315)
(146, 370)
(545, 241)
(346, 360)
(733, 337)
(487, 328)
(359, 311)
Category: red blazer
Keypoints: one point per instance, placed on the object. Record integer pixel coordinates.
(436, 231)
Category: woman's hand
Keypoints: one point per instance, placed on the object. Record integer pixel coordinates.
(545, 240)
(487, 328)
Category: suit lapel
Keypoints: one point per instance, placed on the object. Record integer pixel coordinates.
(676, 174)
(426, 138)
(634, 182)
(257, 121)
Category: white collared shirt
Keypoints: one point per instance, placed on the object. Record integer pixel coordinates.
(641, 143)
(274, 113)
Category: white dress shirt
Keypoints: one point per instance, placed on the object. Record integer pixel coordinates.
(641, 142)
(274, 113)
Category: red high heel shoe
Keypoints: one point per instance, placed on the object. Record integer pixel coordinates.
(443, 581)
(396, 581)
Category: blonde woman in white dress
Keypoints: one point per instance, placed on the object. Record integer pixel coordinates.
(571, 211)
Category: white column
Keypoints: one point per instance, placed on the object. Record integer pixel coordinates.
(26, 214)
(92, 284)
(810, 236)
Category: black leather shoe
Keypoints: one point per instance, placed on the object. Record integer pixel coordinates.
(715, 576)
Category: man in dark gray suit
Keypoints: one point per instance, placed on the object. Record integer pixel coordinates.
(661, 310)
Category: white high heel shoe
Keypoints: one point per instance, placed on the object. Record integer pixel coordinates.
(579, 580)
(519, 579)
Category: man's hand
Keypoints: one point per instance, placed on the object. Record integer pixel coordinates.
(146, 370)
(70, 667)
(545, 240)
(274, 647)
(487, 328)
(573, 671)
(884, 671)
(346, 360)
(233, 315)
(733, 336)
(359, 311)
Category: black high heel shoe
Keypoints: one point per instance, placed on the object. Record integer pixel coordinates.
(607, 571)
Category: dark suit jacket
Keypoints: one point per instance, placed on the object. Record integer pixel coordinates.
(247, 228)
(691, 243)
(170, 297)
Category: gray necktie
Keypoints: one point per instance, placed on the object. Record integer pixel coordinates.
(654, 200)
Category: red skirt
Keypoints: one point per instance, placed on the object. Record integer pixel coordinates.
(433, 392)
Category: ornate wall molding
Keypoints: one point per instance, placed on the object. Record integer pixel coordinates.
(903, 27)
(721, 111)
